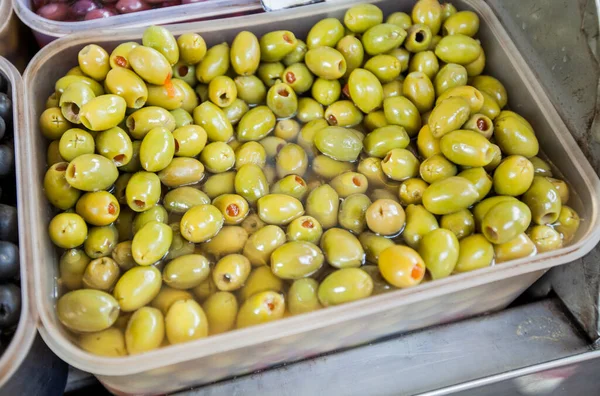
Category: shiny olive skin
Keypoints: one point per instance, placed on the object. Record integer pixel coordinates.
(63, 83)
(365, 90)
(231, 272)
(245, 53)
(352, 49)
(185, 72)
(256, 124)
(262, 243)
(103, 112)
(292, 185)
(157, 149)
(562, 188)
(270, 73)
(185, 321)
(489, 108)
(401, 266)
(467, 148)
(475, 252)
(545, 238)
(201, 223)
(186, 272)
(75, 142)
(279, 209)
(345, 285)
(233, 207)
(91, 172)
(109, 342)
(329, 168)
(304, 228)
(251, 183)
(475, 98)
(480, 124)
(288, 129)
(373, 245)
(323, 204)
(274, 46)
(282, 100)
(343, 113)
(192, 48)
(382, 38)
(151, 243)
(98, 208)
(210, 117)
(371, 168)
(381, 140)
(87, 310)
(461, 223)
(492, 87)
(215, 63)
(296, 259)
(217, 157)
(221, 183)
(75, 96)
(419, 222)
(52, 154)
(221, 310)
(339, 143)
(235, 111)
(150, 65)
(544, 201)
(101, 241)
(250, 89)
(182, 171)
(541, 167)
(448, 116)
(449, 195)
(385, 67)
(462, 22)
(418, 38)
(155, 213)
(291, 160)
(162, 40)
(400, 164)
(326, 91)
(145, 330)
(115, 145)
(260, 279)
(167, 297)
(205, 290)
(425, 62)
(515, 137)
(128, 85)
(439, 250)
(505, 221)
(411, 191)
(401, 19)
(302, 296)
(483, 207)
(385, 217)
(72, 265)
(393, 88)
(567, 223)
(145, 119)
(435, 168)
(513, 176)
(427, 145)
(342, 249)
(476, 67)
(298, 77)
(349, 183)
(450, 76)
(326, 62)
(458, 49)
(480, 179)
(222, 91)
(418, 88)
(308, 110)
(101, 274)
(325, 33)
(123, 256)
(297, 54)
(519, 247)
(230, 240)
(260, 308)
(428, 12)
(137, 287)
(360, 18)
(58, 191)
(401, 111)
(118, 57)
(143, 191)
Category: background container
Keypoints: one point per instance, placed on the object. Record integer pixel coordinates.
(26, 329)
(46, 30)
(294, 338)
(13, 37)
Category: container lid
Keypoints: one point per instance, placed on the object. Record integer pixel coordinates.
(158, 16)
(23, 338)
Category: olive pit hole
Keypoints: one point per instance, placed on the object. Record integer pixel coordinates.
(491, 233)
(71, 172)
(119, 159)
(227, 278)
(308, 224)
(549, 218)
(341, 66)
(130, 123)
(283, 92)
(482, 124)
(121, 61)
(299, 181)
(290, 77)
(346, 91)
(176, 145)
(139, 203)
(183, 70)
(420, 36)
(356, 181)
(270, 304)
(331, 119)
(417, 272)
(287, 39)
(139, 102)
(61, 167)
(387, 158)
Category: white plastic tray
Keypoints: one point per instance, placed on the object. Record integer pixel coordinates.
(243, 351)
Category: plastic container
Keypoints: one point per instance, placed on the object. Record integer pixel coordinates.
(26, 329)
(243, 351)
(11, 38)
(46, 30)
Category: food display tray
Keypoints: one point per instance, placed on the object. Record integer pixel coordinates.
(243, 351)
(26, 331)
(46, 30)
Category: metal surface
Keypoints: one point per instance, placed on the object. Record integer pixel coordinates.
(559, 39)
(423, 361)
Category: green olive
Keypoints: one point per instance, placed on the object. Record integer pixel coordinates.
(458, 48)
(360, 18)
(505, 221)
(151, 243)
(385, 217)
(323, 204)
(157, 149)
(279, 209)
(87, 310)
(201, 223)
(217, 157)
(515, 137)
(185, 321)
(251, 183)
(373, 245)
(221, 310)
(210, 117)
(450, 76)
(513, 176)
(302, 296)
(475, 252)
(75, 142)
(400, 164)
(215, 63)
(545, 238)
(192, 48)
(427, 145)
(381, 140)
(150, 65)
(345, 285)
(182, 171)
(439, 250)
(435, 168)
(109, 342)
(325, 33)
(119, 56)
(428, 12)
(304, 228)
(167, 297)
(115, 145)
(401, 266)
(342, 249)
(102, 112)
(343, 113)
(295, 260)
(137, 287)
(519, 247)
(260, 308)
(326, 91)
(297, 54)
(162, 40)
(143, 191)
(256, 124)
(467, 148)
(419, 222)
(461, 223)
(567, 223)
(326, 62)
(308, 110)
(401, 111)
(288, 129)
(270, 73)
(91, 172)
(58, 191)
(123, 256)
(449, 195)
(338, 143)
(101, 274)
(544, 201)
(52, 154)
(145, 119)
(419, 38)
(292, 185)
(250, 89)
(75, 96)
(236, 110)
(245, 53)
(145, 330)
(282, 100)
(417, 87)
(250, 153)
(352, 49)
(72, 266)
(365, 90)
(274, 46)
(382, 38)
(425, 62)
(221, 183)
(186, 271)
(401, 19)
(449, 115)
(411, 191)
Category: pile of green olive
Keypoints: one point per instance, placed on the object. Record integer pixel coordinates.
(203, 190)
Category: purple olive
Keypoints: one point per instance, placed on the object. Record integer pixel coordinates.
(37, 4)
(56, 12)
(99, 13)
(81, 7)
(129, 6)
(108, 1)
(171, 3)
(154, 2)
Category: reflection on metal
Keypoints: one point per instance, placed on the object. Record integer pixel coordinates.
(425, 360)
